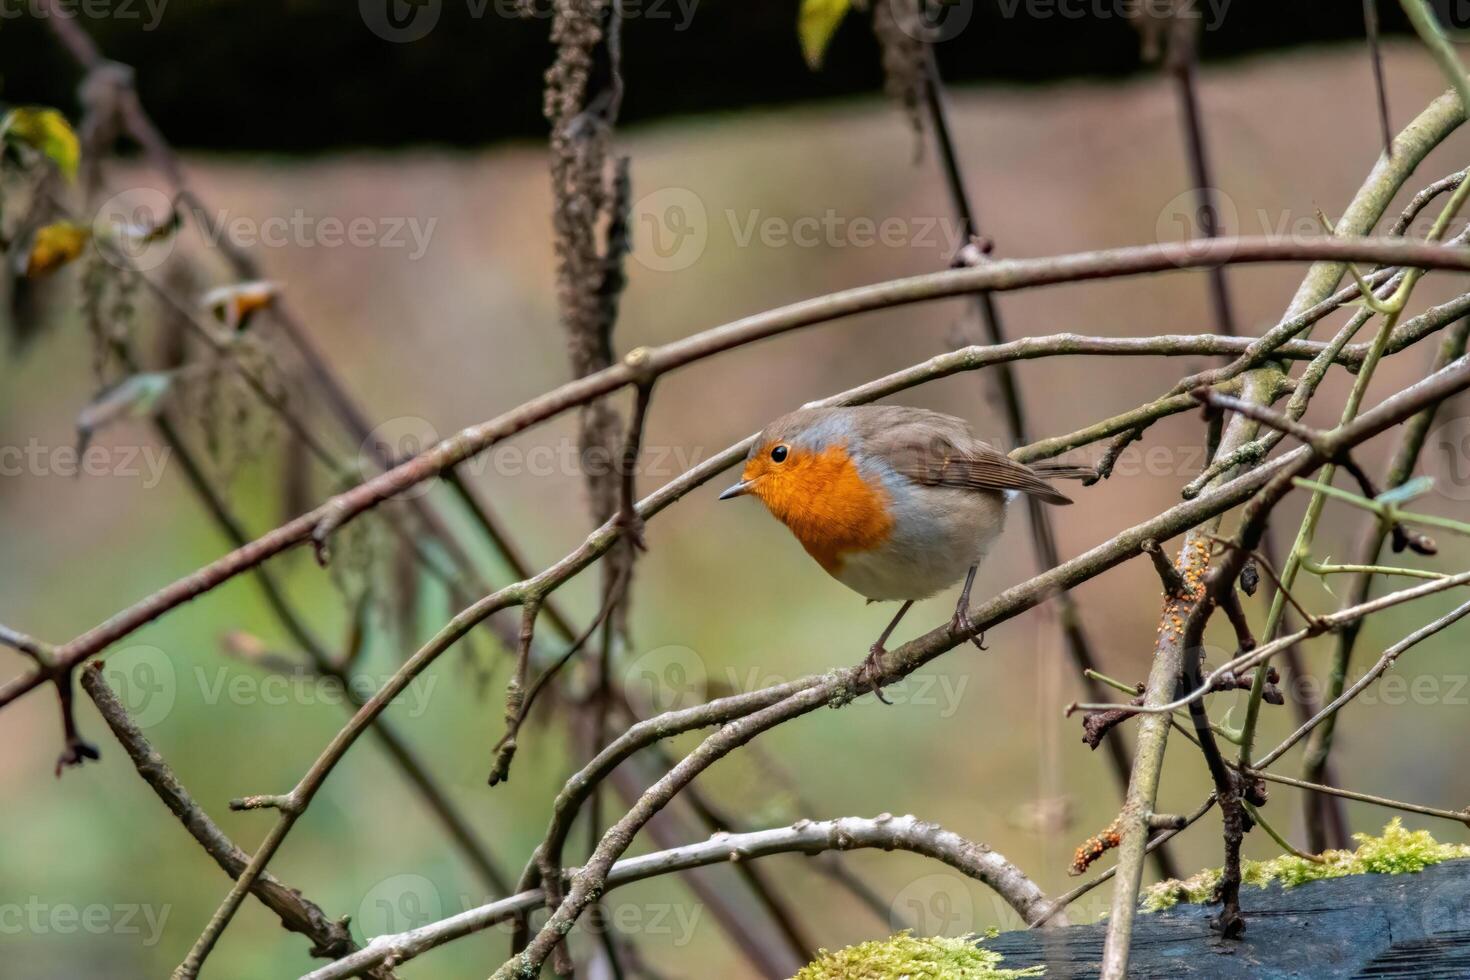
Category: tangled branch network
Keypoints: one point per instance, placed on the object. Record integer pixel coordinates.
(1249, 475)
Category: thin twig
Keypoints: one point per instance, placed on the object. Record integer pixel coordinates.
(1280, 840)
(331, 937)
(1170, 662)
(1459, 816)
(38, 650)
(475, 439)
(846, 684)
(1363, 213)
(1212, 682)
(993, 332)
(1390, 656)
(1173, 582)
(515, 693)
(333, 670)
(1183, 63)
(1370, 27)
(1401, 467)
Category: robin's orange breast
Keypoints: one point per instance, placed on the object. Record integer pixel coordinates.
(829, 506)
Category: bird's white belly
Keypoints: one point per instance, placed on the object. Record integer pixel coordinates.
(933, 545)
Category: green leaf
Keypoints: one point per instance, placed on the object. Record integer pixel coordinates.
(135, 397)
(1324, 578)
(1406, 492)
(815, 25)
(1231, 733)
(47, 131)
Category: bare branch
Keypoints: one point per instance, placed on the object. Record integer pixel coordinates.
(1062, 901)
(1169, 575)
(38, 650)
(1368, 205)
(1389, 658)
(883, 832)
(251, 555)
(332, 937)
(1332, 621)
(515, 693)
(1370, 27)
(1459, 816)
(1175, 653)
(1400, 469)
(992, 332)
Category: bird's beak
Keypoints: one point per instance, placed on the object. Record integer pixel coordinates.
(738, 490)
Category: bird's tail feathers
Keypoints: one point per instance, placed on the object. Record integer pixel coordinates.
(1063, 471)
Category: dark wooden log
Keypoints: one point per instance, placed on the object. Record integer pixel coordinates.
(1404, 927)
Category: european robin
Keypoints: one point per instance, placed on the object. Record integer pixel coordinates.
(895, 503)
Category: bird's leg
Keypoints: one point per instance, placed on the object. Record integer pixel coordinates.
(876, 651)
(961, 621)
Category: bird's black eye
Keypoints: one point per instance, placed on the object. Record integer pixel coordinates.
(779, 454)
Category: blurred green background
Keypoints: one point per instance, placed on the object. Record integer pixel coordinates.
(725, 598)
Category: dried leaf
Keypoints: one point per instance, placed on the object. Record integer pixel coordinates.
(131, 235)
(47, 131)
(234, 304)
(815, 25)
(53, 246)
(1250, 577)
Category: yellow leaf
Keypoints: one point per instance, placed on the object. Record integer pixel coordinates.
(815, 25)
(48, 131)
(54, 246)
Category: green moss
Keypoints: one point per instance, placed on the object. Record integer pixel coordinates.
(905, 957)
(1397, 851)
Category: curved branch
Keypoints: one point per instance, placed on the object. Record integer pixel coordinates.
(884, 832)
(316, 525)
(546, 861)
(840, 687)
(837, 687)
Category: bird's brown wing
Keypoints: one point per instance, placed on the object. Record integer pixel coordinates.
(939, 450)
